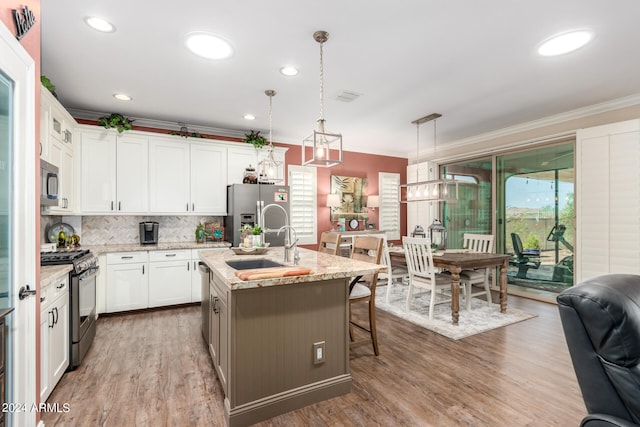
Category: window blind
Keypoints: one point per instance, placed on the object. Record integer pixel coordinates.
(303, 203)
(389, 217)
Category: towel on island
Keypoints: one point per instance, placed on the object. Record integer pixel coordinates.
(271, 273)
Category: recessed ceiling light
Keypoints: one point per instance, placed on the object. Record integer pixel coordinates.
(289, 71)
(565, 42)
(99, 24)
(249, 117)
(209, 46)
(122, 96)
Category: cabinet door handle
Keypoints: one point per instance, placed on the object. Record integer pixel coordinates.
(127, 257)
(52, 318)
(193, 207)
(60, 286)
(55, 322)
(42, 299)
(119, 206)
(187, 207)
(112, 205)
(170, 255)
(142, 268)
(214, 306)
(188, 266)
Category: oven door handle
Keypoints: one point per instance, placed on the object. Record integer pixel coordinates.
(89, 273)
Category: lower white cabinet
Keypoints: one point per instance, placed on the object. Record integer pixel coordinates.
(54, 334)
(144, 279)
(169, 277)
(127, 281)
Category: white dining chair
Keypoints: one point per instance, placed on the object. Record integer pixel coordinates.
(482, 243)
(422, 274)
(394, 273)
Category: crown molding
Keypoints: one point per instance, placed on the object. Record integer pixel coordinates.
(579, 113)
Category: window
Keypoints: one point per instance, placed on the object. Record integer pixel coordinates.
(389, 192)
(304, 203)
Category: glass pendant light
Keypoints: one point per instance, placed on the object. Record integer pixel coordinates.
(269, 170)
(324, 147)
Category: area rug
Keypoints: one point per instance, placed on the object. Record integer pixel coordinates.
(482, 317)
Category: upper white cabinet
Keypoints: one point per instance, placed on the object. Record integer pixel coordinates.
(240, 157)
(146, 173)
(57, 129)
(114, 173)
(187, 177)
(208, 173)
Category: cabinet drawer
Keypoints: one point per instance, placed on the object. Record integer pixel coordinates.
(127, 257)
(179, 255)
(50, 292)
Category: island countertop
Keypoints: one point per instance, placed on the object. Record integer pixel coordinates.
(323, 266)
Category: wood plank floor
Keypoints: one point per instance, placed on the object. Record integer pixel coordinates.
(153, 369)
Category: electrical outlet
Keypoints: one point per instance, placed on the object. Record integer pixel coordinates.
(318, 352)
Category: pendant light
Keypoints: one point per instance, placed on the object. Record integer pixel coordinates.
(433, 190)
(324, 147)
(269, 170)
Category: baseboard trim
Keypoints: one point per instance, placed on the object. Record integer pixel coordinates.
(281, 403)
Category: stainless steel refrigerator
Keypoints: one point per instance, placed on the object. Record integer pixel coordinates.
(244, 204)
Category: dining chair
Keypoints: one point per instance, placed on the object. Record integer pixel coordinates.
(367, 249)
(330, 243)
(481, 243)
(394, 273)
(422, 273)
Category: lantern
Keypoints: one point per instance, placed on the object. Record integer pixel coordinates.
(438, 235)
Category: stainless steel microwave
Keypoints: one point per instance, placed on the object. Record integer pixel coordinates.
(48, 184)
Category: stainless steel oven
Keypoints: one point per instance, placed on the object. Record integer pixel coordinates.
(82, 299)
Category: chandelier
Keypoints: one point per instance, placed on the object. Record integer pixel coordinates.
(269, 170)
(433, 190)
(325, 148)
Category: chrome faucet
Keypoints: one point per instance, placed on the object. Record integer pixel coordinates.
(288, 245)
(262, 211)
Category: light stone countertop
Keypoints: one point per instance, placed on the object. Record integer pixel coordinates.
(167, 246)
(51, 273)
(324, 266)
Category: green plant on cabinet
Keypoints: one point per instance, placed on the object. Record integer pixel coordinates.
(117, 121)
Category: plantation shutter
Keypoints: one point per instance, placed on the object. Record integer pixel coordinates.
(389, 192)
(303, 203)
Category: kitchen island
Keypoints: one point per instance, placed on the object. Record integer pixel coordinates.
(282, 343)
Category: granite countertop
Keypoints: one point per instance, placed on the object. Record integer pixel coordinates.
(51, 273)
(167, 246)
(323, 266)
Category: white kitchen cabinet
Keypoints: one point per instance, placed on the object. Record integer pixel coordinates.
(238, 159)
(169, 277)
(54, 334)
(57, 128)
(169, 176)
(127, 285)
(208, 173)
(187, 177)
(114, 173)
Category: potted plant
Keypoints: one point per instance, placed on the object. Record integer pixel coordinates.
(50, 86)
(115, 120)
(254, 138)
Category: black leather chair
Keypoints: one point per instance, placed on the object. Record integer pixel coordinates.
(601, 322)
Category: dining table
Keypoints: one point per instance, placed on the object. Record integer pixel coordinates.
(456, 260)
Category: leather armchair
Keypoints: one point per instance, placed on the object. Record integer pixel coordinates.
(601, 322)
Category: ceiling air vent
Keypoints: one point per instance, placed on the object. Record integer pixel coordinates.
(348, 96)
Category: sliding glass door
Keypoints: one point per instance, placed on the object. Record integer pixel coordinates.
(534, 212)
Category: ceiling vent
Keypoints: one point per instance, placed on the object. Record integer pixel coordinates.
(348, 96)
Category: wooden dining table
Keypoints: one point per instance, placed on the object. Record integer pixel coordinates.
(455, 261)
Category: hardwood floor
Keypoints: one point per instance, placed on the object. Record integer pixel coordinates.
(153, 369)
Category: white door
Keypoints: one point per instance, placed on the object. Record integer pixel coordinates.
(17, 222)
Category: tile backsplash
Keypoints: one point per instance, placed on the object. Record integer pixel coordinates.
(114, 230)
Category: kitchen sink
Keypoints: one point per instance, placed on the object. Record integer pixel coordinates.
(250, 264)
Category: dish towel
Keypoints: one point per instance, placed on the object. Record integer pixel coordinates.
(271, 273)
